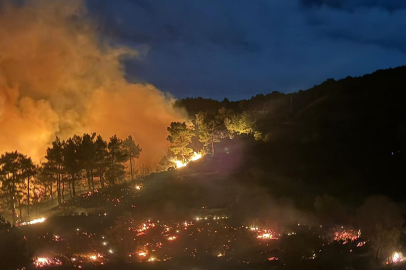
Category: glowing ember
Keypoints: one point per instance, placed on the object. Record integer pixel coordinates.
(142, 253)
(397, 257)
(137, 187)
(152, 259)
(93, 257)
(265, 236)
(360, 244)
(171, 238)
(346, 236)
(44, 262)
(273, 259)
(263, 233)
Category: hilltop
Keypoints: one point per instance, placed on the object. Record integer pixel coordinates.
(346, 137)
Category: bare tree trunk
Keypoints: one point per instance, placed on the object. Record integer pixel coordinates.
(28, 196)
(59, 185)
(89, 184)
(70, 188)
(52, 195)
(131, 166)
(63, 190)
(20, 207)
(73, 188)
(92, 180)
(13, 208)
(101, 177)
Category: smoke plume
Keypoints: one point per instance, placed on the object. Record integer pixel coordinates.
(58, 78)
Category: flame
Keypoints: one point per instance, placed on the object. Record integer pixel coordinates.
(181, 164)
(44, 261)
(397, 257)
(142, 253)
(196, 156)
(35, 221)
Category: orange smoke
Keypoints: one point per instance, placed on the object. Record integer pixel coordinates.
(58, 78)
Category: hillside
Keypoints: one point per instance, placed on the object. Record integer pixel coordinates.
(345, 137)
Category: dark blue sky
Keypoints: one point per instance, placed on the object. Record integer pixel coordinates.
(236, 49)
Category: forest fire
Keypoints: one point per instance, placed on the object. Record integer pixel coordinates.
(41, 262)
(346, 236)
(181, 164)
(396, 257)
(35, 221)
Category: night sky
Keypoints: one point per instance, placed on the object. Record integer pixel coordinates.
(237, 49)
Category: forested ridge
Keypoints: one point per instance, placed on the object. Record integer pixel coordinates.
(343, 136)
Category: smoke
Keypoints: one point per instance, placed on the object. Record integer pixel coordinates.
(58, 78)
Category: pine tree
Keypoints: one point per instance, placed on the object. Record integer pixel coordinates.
(55, 165)
(117, 156)
(101, 158)
(71, 161)
(87, 157)
(180, 137)
(210, 129)
(12, 176)
(134, 151)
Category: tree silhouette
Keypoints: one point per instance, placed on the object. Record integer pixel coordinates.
(71, 161)
(134, 151)
(101, 158)
(28, 171)
(12, 175)
(381, 223)
(87, 157)
(117, 156)
(55, 165)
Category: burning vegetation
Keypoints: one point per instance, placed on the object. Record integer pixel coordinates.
(217, 199)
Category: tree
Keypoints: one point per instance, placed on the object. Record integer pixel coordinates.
(87, 156)
(381, 223)
(11, 173)
(71, 161)
(242, 124)
(122, 234)
(180, 138)
(28, 171)
(134, 151)
(101, 158)
(117, 156)
(210, 127)
(46, 176)
(55, 165)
